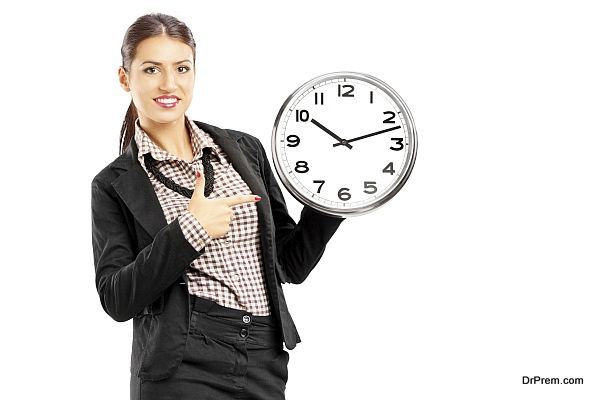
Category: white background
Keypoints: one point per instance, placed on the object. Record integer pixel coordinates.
(483, 268)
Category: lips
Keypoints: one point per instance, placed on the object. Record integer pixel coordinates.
(167, 101)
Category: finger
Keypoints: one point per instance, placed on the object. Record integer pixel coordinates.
(199, 187)
(240, 199)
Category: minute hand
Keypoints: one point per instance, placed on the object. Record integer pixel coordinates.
(369, 135)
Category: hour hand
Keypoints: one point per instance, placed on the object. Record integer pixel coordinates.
(341, 141)
(368, 135)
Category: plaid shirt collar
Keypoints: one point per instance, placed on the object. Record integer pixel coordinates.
(200, 140)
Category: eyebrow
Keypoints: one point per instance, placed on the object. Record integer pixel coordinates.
(157, 63)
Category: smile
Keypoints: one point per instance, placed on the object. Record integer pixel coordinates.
(167, 102)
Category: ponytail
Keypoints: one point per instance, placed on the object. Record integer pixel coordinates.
(128, 128)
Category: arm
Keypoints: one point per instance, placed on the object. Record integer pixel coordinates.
(299, 246)
(126, 281)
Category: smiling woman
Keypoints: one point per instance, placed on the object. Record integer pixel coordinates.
(192, 239)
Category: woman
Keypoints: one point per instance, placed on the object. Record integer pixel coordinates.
(192, 238)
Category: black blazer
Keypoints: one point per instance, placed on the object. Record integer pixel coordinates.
(140, 260)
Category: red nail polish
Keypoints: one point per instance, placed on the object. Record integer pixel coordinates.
(257, 198)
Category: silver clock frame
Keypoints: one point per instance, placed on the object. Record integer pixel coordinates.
(405, 173)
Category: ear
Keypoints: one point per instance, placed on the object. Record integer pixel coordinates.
(124, 79)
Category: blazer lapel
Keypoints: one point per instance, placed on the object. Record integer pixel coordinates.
(135, 188)
(244, 161)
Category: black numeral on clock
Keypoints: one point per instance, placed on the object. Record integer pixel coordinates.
(390, 119)
(301, 116)
(301, 167)
(389, 169)
(370, 187)
(344, 194)
(319, 99)
(399, 143)
(320, 186)
(348, 93)
(293, 141)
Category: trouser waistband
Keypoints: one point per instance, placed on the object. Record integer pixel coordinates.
(235, 325)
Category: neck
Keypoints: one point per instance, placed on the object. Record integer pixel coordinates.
(172, 136)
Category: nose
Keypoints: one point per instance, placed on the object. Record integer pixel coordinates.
(168, 83)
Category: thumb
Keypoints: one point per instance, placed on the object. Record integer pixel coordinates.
(199, 188)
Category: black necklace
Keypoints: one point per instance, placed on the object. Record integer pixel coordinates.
(151, 165)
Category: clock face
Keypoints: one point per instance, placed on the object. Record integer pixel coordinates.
(344, 143)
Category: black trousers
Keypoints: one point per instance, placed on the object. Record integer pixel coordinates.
(230, 354)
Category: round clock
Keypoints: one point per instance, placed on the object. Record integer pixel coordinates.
(344, 143)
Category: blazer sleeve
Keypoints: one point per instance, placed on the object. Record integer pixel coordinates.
(128, 281)
(299, 245)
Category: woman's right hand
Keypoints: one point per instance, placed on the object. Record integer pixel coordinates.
(215, 214)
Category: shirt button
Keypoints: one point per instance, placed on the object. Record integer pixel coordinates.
(236, 277)
(246, 319)
(227, 242)
(244, 332)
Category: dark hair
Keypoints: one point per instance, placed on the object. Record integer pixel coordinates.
(145, 27)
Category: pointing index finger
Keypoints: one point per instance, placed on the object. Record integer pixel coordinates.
(242, 198)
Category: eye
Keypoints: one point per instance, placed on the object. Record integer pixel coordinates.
(149, 69)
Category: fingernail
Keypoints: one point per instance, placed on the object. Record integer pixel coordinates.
(257, 198)
(197, 174)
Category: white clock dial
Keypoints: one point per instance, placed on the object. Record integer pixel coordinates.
(344, 143)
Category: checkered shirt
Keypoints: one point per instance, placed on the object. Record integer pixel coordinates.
(230, 271)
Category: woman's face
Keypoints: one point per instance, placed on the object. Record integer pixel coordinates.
(162, 67)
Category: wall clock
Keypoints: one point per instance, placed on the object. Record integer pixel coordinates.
(344, 143)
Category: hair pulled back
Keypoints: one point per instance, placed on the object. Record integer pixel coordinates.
(147, 26)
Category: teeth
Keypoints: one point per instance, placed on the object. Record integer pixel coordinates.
(167, 101)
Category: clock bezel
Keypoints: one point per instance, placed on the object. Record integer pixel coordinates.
(407, 168)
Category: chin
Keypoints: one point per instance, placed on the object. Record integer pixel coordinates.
(167, 117)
